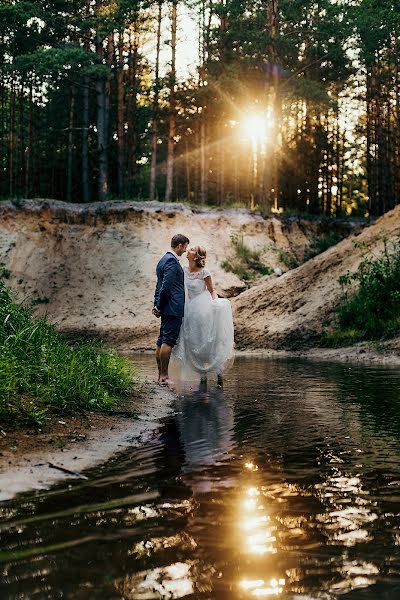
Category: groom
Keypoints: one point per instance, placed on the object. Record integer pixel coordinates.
(169, 303)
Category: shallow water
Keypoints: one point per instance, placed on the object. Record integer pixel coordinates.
(285, 484)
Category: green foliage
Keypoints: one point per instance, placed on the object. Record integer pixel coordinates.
(373, 309)
(288, 259)
(4, 272)
(245, 263)
(322, 243)
(53, 64)
(318, 245)
(39, 371)
(340, 337)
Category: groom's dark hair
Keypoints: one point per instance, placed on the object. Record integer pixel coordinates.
(179, 238)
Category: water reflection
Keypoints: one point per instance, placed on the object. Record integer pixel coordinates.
(206, 426)
(256, 538)
(284, 484)
(171, 581)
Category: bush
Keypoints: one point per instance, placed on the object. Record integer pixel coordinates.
(290, 260)
(320, 244)
(246, 263)
(39, 370)
(373, 309)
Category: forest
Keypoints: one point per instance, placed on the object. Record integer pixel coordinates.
(288, 105)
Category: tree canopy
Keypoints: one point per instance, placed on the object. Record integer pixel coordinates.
(291, 105)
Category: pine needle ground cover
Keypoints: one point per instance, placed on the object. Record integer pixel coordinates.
(40, 372)
(369, 307)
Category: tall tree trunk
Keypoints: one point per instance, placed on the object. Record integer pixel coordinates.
(21, 171)
(397, 125)
(204, 50)
(221, 177)
(101, 121)
(107, 92)
(70, 144)
(11, 142)
(371, 160)
(101, 139)
(131, 102)
(272, 24)
(121, 115)
(85, 141)
(154, 120)
(172, 102)
(223, 27)
(86, 122)
(29, 142)
(203, 162)
(329, 166)
(3, 139)
(187, 169)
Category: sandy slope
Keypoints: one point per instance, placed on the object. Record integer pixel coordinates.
(94, 265)
(294, 309)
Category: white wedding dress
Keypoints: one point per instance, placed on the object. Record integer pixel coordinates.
(206, 338)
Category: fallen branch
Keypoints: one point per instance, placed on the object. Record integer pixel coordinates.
(64, 470)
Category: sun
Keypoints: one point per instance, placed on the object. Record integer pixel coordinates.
(255, 128)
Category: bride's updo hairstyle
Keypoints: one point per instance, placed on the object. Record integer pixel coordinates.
(200, 258)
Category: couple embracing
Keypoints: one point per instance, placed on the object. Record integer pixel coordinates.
(196, 326)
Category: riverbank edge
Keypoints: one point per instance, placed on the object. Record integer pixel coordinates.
(364, 353)
(67, 446)
(382, 353)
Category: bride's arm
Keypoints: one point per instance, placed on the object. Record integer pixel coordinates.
(210, 287)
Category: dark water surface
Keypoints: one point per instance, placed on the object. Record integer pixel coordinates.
(285, 484)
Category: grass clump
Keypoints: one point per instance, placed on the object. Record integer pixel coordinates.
(320, 244)
(288, 259)
(39, 371)
(372, 310)
(246, 263)
(292, 260)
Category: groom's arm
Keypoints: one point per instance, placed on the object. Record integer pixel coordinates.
(155, 310)
(170, 271)
(157, 294)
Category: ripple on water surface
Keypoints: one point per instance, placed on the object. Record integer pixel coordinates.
(285, 484)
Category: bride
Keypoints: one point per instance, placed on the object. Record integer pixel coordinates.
(205, 341)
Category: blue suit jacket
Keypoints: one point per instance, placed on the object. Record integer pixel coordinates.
(169, 296)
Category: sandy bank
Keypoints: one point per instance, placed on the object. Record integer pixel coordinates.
(29, 459)
(292, 312)
(91, 268)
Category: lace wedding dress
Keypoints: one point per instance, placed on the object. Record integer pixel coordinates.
(206, 337)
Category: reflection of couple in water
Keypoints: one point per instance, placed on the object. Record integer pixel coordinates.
(196, 325)
(199, 436)
(205, 423)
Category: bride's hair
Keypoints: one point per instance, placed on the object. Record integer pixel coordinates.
(200, 258)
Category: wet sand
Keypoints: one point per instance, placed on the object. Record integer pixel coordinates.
(32, 459)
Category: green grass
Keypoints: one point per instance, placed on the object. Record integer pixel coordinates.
(288, 259)
(291, 260)
(245, 263)
(320, 244)
(369, 307)
(40, 372)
